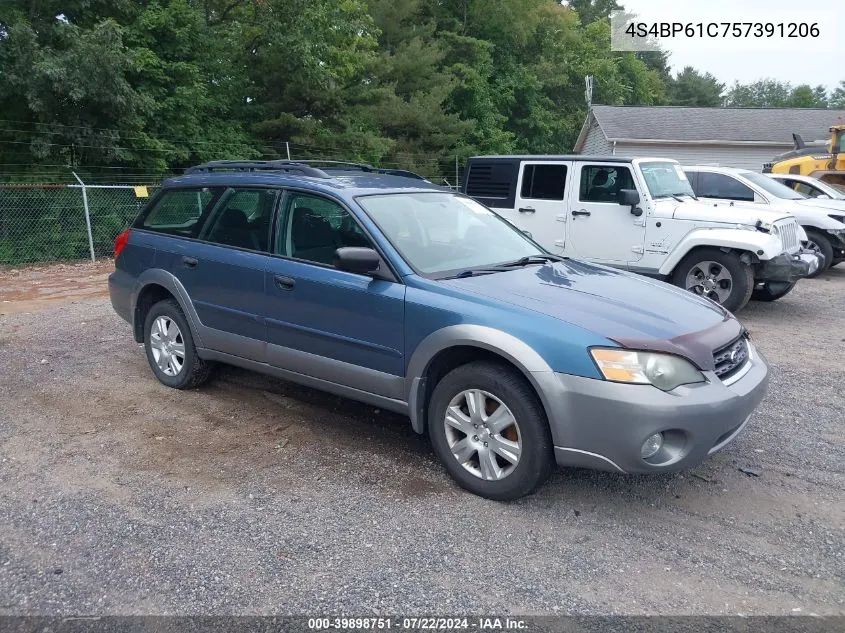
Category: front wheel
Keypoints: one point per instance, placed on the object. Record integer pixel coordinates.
(717, 275)
(490, 432)
(816, 240)
(772, 291)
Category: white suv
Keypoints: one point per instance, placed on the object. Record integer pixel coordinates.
(641, 214)
(825, 228)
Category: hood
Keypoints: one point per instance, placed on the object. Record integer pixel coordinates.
(823, 204)
(633, 311)
(707, 211)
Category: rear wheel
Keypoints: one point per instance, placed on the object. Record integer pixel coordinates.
(490, 431)
(816, 240)
(170, 347)
(717, 275)
(772, 291)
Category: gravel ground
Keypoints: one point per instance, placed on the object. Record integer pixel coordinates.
(256, 496)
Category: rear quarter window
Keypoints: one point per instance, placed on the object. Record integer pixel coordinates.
(179, 211)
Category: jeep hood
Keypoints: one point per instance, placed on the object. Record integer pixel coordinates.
(633, 311)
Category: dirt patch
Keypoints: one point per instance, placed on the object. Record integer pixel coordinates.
(35, 288)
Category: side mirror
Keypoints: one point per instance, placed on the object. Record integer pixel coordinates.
(355, 259)
(630, 198)
(823, 196)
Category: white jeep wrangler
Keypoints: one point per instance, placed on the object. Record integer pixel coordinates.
(641, 214)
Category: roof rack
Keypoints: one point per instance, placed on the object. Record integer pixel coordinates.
(258, 165)
(344, 165)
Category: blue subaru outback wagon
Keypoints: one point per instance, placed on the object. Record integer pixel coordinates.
(387, 289)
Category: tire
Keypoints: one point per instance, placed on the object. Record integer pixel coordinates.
(821, 242)
(741, 281)
(192, 371)
(772, 291)
(496, 385)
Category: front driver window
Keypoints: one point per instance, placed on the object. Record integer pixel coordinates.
(602, 183)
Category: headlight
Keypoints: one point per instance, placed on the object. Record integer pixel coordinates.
(664, 371)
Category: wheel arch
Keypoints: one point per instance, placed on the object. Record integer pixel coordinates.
(757, 244)
(457, 345)
(153, 286)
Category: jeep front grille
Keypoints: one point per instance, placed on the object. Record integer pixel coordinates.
(788, 230)
(731, 358)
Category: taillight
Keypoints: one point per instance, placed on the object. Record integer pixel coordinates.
(120, 242)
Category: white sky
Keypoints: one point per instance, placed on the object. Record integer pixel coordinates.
(805, 60)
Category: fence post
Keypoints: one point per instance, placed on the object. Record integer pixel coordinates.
(457, 175)
(87, 215)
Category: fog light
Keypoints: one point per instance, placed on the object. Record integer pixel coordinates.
(651, 445)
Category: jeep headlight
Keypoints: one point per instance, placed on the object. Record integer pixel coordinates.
(664, 371)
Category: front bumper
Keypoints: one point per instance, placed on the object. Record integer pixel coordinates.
(602, 425)
(788, 268)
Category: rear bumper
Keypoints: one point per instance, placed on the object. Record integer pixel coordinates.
(602, 425)
(120, 292)
(788, 268)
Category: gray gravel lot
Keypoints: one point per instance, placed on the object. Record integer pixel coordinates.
(252, 495)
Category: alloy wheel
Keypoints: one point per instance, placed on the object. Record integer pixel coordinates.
(710, 279)
(483, 434)
(167, 345)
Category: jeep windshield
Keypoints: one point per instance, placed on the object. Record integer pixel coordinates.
(443, 235)
(665, 180)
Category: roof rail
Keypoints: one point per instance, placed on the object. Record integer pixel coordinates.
(258, 165)
(342, 165)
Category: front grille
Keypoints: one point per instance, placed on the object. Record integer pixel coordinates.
(788, 230)
(731, 358)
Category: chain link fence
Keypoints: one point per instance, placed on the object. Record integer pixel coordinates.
(47, 222)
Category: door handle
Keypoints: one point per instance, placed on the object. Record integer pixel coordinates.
(581, 212)
(527, 210)
(284, 283)
(190, 262)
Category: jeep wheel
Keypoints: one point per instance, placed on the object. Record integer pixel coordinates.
(772, 291)
(170, 347)
(488, 428)
(717, 275)
(816, 240)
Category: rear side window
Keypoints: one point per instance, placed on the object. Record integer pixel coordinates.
(243, 219)
(710, 185)
(543, 182)
(493, 182)
(180, 211)
(602, 183)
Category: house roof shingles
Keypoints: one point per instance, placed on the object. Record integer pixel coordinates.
(685, 124)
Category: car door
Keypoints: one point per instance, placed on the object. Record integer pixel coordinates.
(222, 270)
(540, 202)
(599, 228)
(326, 323)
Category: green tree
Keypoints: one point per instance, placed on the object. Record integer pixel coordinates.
(764, 93)
(837, 97)
(692, 88)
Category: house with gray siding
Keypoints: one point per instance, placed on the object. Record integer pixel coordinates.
(729, 137)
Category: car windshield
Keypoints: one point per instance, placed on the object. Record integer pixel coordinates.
(772, 186)
(440, 233)
(665, 179)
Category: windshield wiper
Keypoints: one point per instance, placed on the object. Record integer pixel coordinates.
(533, 259)
(472, 272)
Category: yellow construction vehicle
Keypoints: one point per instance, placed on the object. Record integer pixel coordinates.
(825, 162)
